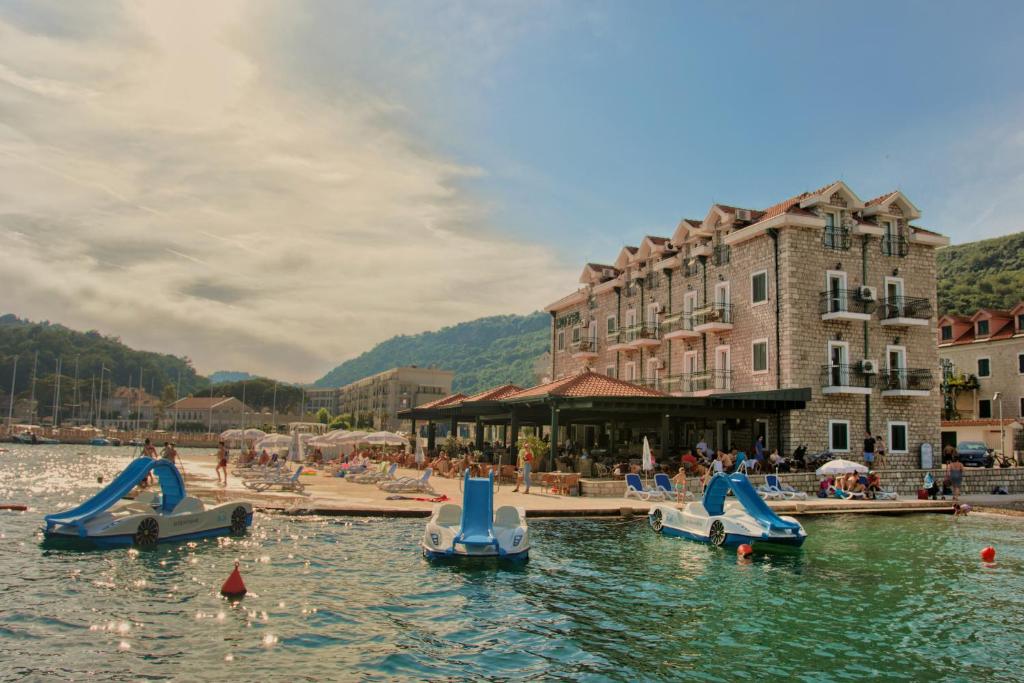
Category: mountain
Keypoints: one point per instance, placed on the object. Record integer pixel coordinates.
(983, 274)
(96, 355)
(482, 353)
(224, 376)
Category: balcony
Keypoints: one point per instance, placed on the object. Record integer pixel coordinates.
(906, 382)
(703, 383)
(895, 245)
(616, 341)
(836, 238)
(844, 304)
(716, 317)
(585, 349)
(679, 326)
(905, 311)
(844, 379)
(721, 254)
(644, 334)
(691, 268)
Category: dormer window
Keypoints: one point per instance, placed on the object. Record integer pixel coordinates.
(982, 328)
(947, 332)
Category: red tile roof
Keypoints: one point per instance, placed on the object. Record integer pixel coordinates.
(656, 240)
(441, 402)
(494, 393)
(587, 384)
(201, 402)
(784, 207)
(601, 266)
(879, 199)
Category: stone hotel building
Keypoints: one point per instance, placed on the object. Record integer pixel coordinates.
(823, 291)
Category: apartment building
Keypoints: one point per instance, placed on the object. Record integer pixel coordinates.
(822, 291)
(379, 397)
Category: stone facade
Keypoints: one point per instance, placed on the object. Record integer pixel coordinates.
(690, 344)
(1005, 375)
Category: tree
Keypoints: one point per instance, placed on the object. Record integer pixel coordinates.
(322, 416)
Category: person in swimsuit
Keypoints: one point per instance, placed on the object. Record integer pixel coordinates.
(148, 449)
(222, 463)
(955, 474)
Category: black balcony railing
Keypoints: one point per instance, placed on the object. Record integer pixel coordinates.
(647, 330)
(706, 380)
(842, 375)
(905, 307)
(713, 313)
(678, 322)
(906, 379)
(836, 238)
(585, 345)
(720, 254)
(691, 269)
(845, 301)
(895, 245)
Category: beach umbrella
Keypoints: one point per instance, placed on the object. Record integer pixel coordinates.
(384, 439)
(253, 434)
(648, 459)
(230, 434)
(274, 442)
(840, 466)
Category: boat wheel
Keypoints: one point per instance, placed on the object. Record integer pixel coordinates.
(148, 533)
(657, 520)
(717, 535)
(238, 520)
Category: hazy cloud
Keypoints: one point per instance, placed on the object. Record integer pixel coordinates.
(168, 175)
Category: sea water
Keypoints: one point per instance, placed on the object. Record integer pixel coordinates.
(901, 598)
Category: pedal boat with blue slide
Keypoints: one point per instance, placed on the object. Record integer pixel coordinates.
(475, 530)
(746, 519)
(109, 520)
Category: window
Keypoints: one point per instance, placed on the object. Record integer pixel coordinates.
(561, 340)
(759, 287)
(984, 367)
(985, 408)
(630, 372)
(830, 221)
(760, 356)
(1020, 363)
(982, 328)
(1021, 411)
(1020, 322)
(576, 335)
(839, 435)
(612, 325)
(897, 437)
(610, 371)
(947, 332)
(835, 285)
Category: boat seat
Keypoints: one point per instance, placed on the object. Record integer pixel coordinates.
(507, 516)
(449, 514)
(188, 504)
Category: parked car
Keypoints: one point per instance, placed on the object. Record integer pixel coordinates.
(975, 454)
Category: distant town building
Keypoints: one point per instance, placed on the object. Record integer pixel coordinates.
(126, 402)
(379, 397)
(982, 360)
(215, 414)
(823, 291)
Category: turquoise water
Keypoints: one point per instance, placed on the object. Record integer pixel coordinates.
(342, 599)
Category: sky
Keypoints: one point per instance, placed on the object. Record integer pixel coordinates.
(277, 186)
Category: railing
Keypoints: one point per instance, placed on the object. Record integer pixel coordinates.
(721, 254)
(691, 269)
(904, 379)
(713, 313)
(648, 330)
(585, 345)
(705, 380)
(895, 245)
(905, 307)
(844, 301)
(836, 238)
(652, 383)
(678, 322)
(842, 375)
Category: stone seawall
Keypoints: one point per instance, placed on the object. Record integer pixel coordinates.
(906, 482)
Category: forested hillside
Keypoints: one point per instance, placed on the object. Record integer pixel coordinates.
(482, 353)
(983, 274)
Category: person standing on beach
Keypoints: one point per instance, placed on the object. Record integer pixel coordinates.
(869, 448)
(525, 464)
(955, 475)
(222, 463)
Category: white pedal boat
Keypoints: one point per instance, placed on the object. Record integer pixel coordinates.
(107, 520)
(746, 520)
(474, 529)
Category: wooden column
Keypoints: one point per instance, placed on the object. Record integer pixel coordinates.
(553, 446)
(664, 438)
(479, 435)
(431, 436)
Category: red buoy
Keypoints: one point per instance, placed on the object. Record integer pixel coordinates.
(234, 587)
(745, 550)
(988, 554)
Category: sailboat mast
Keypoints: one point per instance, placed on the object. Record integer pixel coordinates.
(10, 404)
(32, 396)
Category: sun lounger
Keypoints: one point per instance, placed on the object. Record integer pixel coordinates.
(409, 484)
(663, 484)
(777, 489)
(635, 489)
(387, 474)
(282, 483)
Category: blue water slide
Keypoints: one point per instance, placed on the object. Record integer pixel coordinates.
(477, 527)
(720, 484)
(171, 486)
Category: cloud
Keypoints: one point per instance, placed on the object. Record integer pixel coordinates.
(169, 176)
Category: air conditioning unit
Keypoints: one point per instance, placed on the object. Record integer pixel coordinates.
(654, 363)
(869, 367)
(867, 293)
(743, 214)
